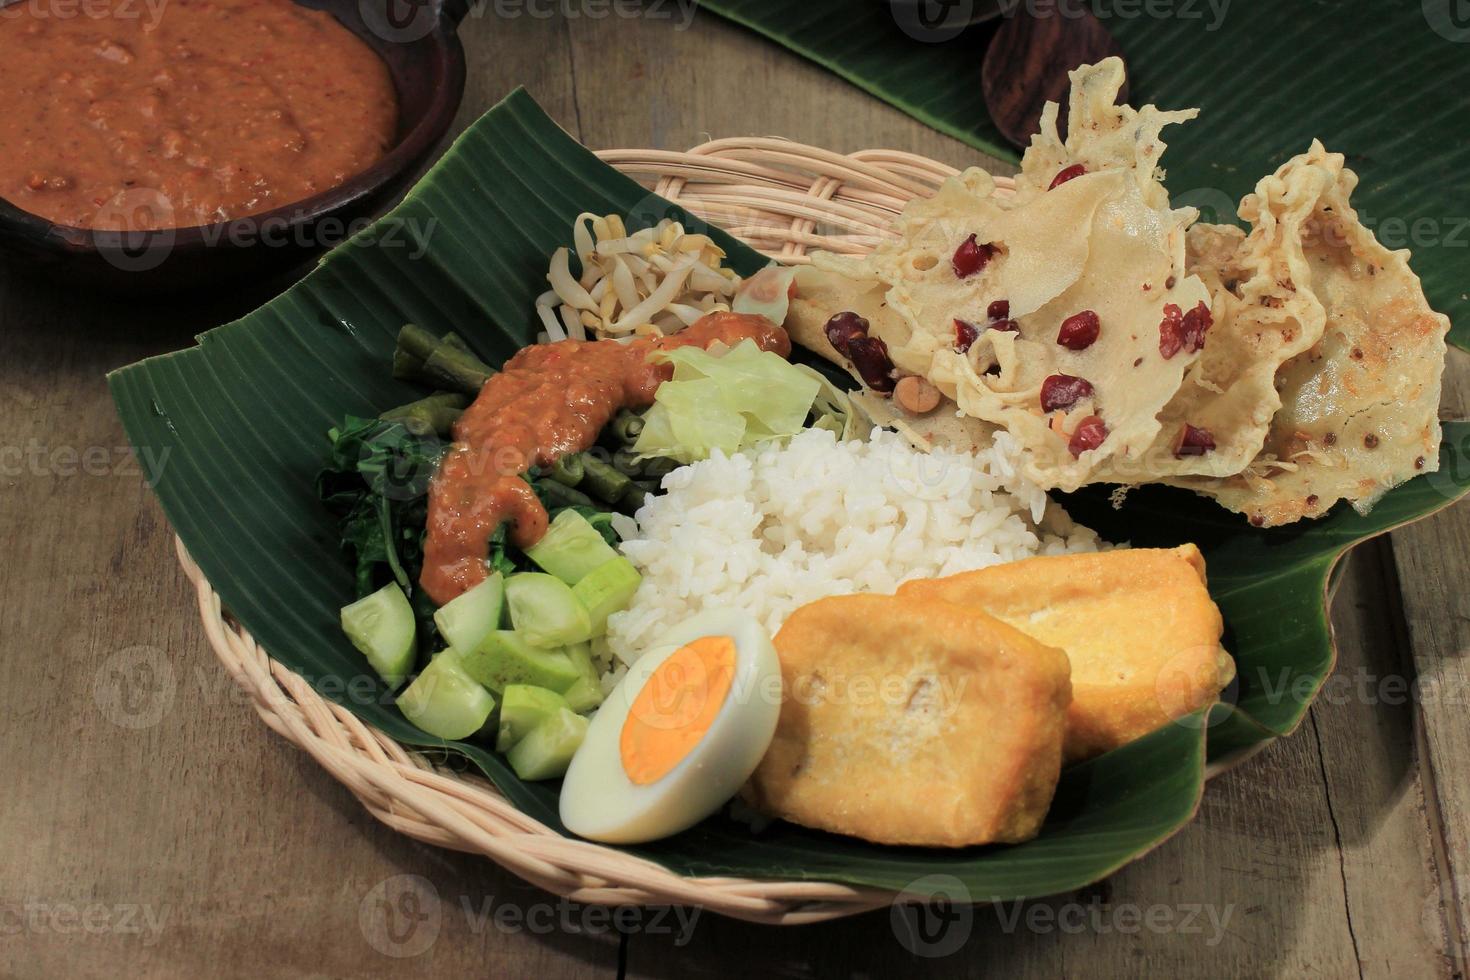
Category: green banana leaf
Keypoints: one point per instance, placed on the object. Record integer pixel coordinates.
(240, 421)
(1387, 83)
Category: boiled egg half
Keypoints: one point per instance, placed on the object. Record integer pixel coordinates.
(679, 735)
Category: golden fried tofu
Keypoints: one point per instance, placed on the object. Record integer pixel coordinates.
(913, 721)
(1138, 625)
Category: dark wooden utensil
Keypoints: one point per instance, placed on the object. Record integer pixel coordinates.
(416, 40)
(1027, 63)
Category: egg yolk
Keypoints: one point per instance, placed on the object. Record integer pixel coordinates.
(676, 707)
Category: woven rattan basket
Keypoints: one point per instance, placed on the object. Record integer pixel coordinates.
(782, 198)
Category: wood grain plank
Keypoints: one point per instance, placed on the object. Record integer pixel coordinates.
(1432, 561)
(503, 52)
(642, 83)
(1363, 727)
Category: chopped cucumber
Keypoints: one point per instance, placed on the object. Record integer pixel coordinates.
(571, 548)
(606, 590)
(544, 610)
(381, 625)
(580, 654)
(583, 695)
(546, 752)
(446, 701)
(469, 617)
(586, 692)
(522, 708)
(505, 658)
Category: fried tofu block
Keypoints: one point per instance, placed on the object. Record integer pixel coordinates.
(912, 721)
(1138, 625)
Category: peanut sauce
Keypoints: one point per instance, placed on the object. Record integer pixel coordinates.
(144, 114)
(549, 400)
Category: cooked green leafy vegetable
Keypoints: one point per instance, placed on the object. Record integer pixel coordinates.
(499, 557)
(376, 480)
(833, 409)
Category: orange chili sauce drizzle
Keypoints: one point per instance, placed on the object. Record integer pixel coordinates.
(548, 401)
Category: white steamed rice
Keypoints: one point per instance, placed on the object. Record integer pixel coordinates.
(771, 530)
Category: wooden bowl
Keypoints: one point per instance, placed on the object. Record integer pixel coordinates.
(419, 45)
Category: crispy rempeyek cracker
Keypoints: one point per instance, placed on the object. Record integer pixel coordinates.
(821, 294)
(1137, 624)
(1105, 241)
(1044, 251)
(1359, 409)
(1266, 312)
(1101, 135)
(912, 721)
(946, 427)
(1134, 269)
(1213, 252)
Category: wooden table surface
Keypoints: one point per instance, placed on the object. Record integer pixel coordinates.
(150, 825)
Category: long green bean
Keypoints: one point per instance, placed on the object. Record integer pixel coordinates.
(407, 367)
(568, 470)
(658, 467)
(446, 363)
(452, 399)
(417, 341)
(626, 427)
(449, 368)
(632, 498)
(458, 343)
(626, 461)
(602, 480)
(561, 495)
(437, 413)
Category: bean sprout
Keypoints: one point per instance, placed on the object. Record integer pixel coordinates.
(655, 281)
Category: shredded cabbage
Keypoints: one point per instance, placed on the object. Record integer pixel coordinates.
(728, 401)
(835, 411)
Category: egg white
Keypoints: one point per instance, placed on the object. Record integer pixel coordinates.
(600, 802)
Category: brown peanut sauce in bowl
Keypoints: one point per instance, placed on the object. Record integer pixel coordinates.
(199, 137)
(179, 113)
